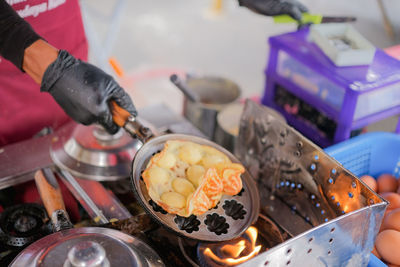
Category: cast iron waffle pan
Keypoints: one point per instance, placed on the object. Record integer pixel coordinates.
(228, 220)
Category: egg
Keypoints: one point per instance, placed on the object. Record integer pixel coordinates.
(392, 220)
(370, 182)
(387, 244)
(375, 252)
(398, 186)
(392, 265)
(387, 183)
(387, 211)
(393, 198)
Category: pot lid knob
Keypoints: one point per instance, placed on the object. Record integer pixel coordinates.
(103, 136)
(87, 254)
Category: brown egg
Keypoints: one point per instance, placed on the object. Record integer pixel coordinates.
(398, 186)
(375, 252)
(387, 244)
(393, 198)
(370, 181)
(393, 265)
(391, 220)
(387, 183)
(387, 211)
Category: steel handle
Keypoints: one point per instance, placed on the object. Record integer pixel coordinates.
(81, 195)
(192, 96)
(124, 119)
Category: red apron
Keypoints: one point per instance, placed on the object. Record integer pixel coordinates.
(24, 110)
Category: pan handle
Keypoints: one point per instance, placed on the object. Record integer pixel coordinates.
(50, 194)
(123, 118)
(120, 115)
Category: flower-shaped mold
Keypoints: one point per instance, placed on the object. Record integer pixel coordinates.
(156, 207)
(234, 209)
(188, 224)
(216, 224)
(240, 193)
(216, 206)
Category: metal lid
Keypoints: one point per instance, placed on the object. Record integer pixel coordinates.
(88, 246)
(90, 152)
(87, 253)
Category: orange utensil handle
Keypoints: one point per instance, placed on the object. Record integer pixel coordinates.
(49, 190)
(120, 115)
(50, 193)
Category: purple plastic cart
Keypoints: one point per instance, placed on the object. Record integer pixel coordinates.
(324, 102)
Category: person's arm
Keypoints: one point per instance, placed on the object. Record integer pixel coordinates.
(37, 57)
(15, 35)
(292, 8)
(81, 89)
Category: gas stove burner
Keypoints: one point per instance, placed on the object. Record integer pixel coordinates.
(259, 237)
(22, 224)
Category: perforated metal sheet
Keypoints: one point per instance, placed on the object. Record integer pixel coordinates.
(332, 215)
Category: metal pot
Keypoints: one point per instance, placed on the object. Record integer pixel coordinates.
(227, 129)
(215, 93)
(228, 120)
(86, 246)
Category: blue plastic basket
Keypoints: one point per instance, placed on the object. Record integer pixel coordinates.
(372, 153)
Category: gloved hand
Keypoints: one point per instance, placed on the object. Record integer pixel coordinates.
(275, 7)
(84, 91)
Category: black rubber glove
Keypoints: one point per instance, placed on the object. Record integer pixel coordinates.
(84, 91)
(275, 7)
